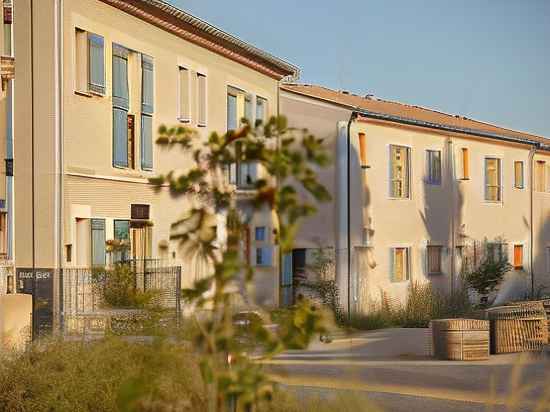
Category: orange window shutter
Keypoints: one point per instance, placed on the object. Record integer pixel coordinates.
(465, 163)
(363, 149)
(518, 256)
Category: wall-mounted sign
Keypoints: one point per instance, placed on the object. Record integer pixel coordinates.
(139, 212)
(9, 167)
(39, 284)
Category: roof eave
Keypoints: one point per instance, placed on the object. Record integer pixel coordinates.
(201, 33)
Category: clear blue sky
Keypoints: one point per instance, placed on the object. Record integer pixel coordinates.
(485, 59)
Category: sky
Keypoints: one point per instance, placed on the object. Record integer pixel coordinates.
(484, 59)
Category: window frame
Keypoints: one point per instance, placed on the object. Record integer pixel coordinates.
(522, 185)
(408, 150)
(204, 101)
(407, 265)
(265, 109)
(500, 178)
(180, 116)
(84, 86)
(430, 247)
(430, 180)
(514, 246)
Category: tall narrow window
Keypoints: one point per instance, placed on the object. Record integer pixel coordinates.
(465, 163)
(89, 62)
(248, 109)
(400, 264)
(98, 242)
(518, 175)
(131, 132)
(232, 112)
(122, 234)
(96, 55)
(261, 109)
(518, 257)
(147, 106)
(434, 259)
(201, 89)
(184, 114)
(264, 256)
(540, 176)
(81, 60)
(260, 234)
(120, 106)
(493, 180)
(399, 172)
(433, 160)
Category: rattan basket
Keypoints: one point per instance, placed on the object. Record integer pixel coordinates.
(460, 339)
(518, 328)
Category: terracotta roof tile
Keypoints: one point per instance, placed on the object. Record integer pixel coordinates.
(405, 111)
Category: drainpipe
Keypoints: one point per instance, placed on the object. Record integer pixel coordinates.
(531, 229)
(450, 159)
(352, 117)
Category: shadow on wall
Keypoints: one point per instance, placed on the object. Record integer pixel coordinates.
(541, 260)
(442, 216)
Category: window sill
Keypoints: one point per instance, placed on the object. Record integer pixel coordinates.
(201, 124)
(184, 120)
(83, 93)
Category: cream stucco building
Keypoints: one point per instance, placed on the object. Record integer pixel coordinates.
(95, 79)
(429, 193)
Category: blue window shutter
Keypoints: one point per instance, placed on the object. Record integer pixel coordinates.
(120, 77)
(147, 85)
(98, 242)
(96, 61)
(287, 270)
(231, 112)
(120, 137)
(146, 142)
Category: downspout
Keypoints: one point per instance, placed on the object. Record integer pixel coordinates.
(352, 117)
(531, 229)
(33, 230)
(59, 156)
(450, 159)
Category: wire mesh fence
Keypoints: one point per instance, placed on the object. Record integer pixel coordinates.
(94, 300)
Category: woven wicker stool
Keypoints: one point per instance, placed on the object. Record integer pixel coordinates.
(460, 339)
(518, 328)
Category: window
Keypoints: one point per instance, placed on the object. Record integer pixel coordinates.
(465, 163)
(89, 62)
(260, 235)
(261, 109)
(264, 256)
(518, 175)
(362, 149)
(232, 112)
(120, 106)
(495, 251)
(69, 253)
(96, 50)
(147, 107)
(518, 257)
(433, 158)
(3, 235)
(400, 264)
(399, 172)
(201, 88)
(248, 109)
(493, 179)
(98, 242)
(540, 176)
(122, 233)
(131, 138)
(434, 259)
(184, 110)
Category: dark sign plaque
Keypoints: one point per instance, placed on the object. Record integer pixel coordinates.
(139, 212)
(39, 284)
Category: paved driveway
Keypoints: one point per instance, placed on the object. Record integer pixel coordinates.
(393, 368)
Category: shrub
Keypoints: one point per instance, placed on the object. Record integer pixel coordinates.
(487, 276)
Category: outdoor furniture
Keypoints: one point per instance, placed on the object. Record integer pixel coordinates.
(460, 339)
(518, 328)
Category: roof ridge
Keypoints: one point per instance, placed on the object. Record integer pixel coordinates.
(413, 106)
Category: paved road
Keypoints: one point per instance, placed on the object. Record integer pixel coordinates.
(392, 367)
